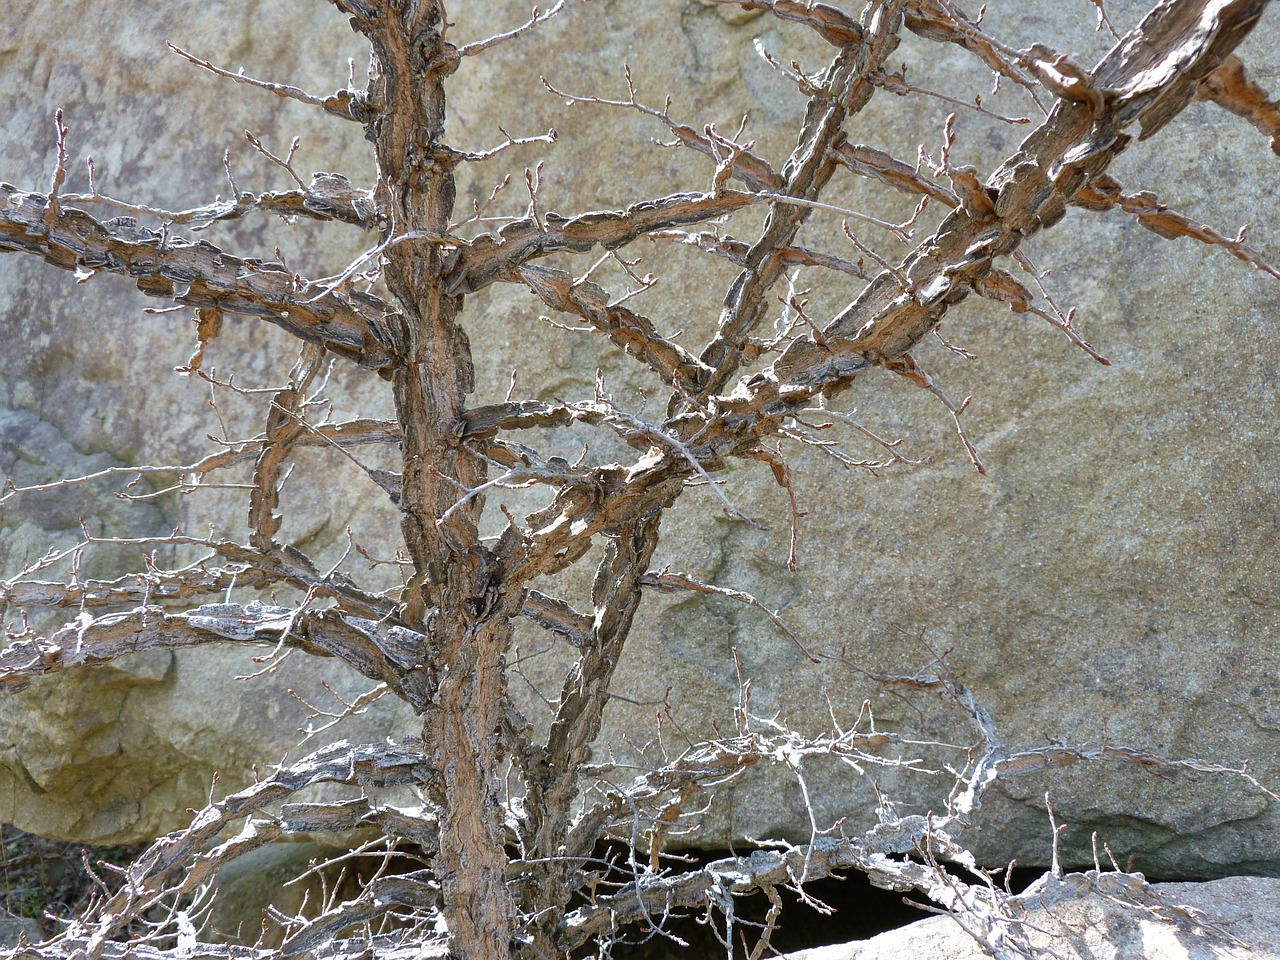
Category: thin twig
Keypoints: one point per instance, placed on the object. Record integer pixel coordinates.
(537, 19)
(329, 104)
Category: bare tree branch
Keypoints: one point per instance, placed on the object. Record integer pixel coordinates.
(351, 325)
(1027, 193)
(506, 828)
(347, 104)
(635, 334)
(847, 89)
(1231, 88)
(832, 24)
(329, 196)
(384, 654)
(489, 258)
(536, 20)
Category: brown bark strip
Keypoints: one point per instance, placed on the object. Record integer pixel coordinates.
(1105, 193)
(833, 25)
(557, 616)
(1231, 88)
(1000, 286)
(329, 196)
(486, 420)
(350, 325)
(877, 165)
(489, 258)
(746, 167)
(284, 428)
(635, 334)
(1153, 73)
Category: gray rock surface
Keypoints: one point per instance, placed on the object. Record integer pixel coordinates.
(1113, 576)
(274, 875)
(1237, 918)
(15, 929)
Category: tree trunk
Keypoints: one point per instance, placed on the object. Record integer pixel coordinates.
(452, 596)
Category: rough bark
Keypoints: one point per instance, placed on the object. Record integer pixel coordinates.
(456, 595)
(506, 865)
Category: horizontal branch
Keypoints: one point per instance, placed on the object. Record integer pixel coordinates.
(348, 433)
(737, 251)
(664, 895)
(490, 258)
(996, 919)
(69, 945)
(329, 196)
(486, 420)
(733, 159)
(395, 946)
(352, 325)
(133, 589)
(377, 898)
(898, 854)
(1027, 762)
(249, 567)
(833, 25)
(384, 654)
(1104, 193)
(877, 165)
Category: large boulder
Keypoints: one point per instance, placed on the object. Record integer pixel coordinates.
(1113, 576)
(1231, 919)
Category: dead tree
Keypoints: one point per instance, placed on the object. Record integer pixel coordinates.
(509, 855)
